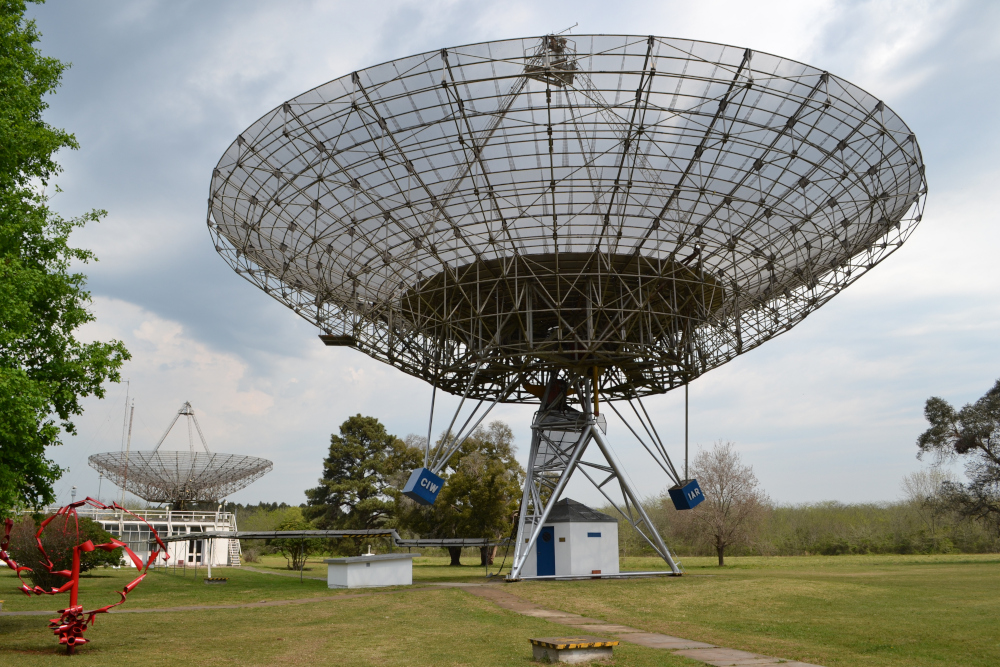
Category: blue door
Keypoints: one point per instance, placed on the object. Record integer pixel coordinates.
(545, 550)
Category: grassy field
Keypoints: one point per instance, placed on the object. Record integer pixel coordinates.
(840, 610)
(419, 625)
(830, 610)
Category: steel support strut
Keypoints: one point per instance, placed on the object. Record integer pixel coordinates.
(556, 452)
(659, 544)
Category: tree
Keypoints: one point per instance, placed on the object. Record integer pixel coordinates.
(923, 491)
(44, 369)
(360, 484)
(58, 539)
(734, 505)
(295, 550)
(482, 490)
(972, 434)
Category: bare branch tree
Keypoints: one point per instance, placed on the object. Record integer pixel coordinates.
(734, 505)
(924, 491)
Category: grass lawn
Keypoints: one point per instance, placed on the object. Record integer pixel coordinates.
(420, 625)
(175, 588)
(840, 610)
(829, 610)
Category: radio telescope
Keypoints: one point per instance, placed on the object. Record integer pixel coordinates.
(563, 218)
(178, 477)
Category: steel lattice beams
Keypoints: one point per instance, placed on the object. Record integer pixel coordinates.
(394, 185)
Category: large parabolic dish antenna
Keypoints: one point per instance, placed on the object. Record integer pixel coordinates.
(180, 477)
(559, 218)
(651, 206)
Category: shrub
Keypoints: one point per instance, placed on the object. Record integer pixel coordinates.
(59, 539)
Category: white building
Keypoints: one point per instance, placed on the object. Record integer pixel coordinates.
(575, 541)
(136, 534)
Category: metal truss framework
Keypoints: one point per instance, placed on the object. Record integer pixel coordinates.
(559, 440)
(482, 216)
(180, 477)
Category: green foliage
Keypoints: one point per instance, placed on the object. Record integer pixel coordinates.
(262, 516)
(248, 510)
(93, 531)
(360, 483)
(973, 434)
(44, 370)
(481, 493)
(362, 475)
(828, 528)
(59, 539)
(295, 551)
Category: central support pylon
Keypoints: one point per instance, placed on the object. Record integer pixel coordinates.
(560, 437)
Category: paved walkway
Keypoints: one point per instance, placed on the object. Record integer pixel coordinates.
(707, 653)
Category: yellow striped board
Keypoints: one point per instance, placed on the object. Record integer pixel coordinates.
(563, 643)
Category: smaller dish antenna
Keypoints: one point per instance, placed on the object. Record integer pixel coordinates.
(179, 477)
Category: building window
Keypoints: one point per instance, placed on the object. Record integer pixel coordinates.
(593, 534)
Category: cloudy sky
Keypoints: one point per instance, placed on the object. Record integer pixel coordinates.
(829, 411)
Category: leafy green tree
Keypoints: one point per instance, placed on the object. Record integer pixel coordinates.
(296, 550)
(361, 478)
(481, 493)
(44, 369)
(972, 434)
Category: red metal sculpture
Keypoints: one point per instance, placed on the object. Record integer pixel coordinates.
(73, 620)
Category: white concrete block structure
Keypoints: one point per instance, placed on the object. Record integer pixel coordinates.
(370, 571)
(575, 541)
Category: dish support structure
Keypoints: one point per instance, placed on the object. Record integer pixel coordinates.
(560, 436)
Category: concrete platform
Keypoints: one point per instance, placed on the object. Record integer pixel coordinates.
(575, 649)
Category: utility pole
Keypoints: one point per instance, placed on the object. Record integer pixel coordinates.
(128, 446)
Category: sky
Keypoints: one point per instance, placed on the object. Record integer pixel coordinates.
(829, 411)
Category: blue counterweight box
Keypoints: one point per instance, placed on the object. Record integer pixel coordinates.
(423, 486)
(687, 494)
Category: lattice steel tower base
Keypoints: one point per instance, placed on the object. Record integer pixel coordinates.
(560, 436)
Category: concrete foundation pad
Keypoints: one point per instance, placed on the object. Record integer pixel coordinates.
(576, 649)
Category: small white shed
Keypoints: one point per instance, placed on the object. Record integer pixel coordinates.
(575, 540)
(370, 571)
